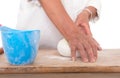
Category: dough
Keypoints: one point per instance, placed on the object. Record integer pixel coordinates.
(64, 49)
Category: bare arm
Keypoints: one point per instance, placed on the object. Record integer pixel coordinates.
(59, 17)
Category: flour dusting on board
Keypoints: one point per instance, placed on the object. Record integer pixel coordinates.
(58, 57)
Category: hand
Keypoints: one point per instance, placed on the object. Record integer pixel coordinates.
(82, 22)
(85, 45)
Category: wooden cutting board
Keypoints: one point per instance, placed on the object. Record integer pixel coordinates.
(49, 61)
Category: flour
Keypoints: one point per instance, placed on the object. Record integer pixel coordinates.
(58, 57)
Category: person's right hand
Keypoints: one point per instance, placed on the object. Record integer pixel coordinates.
(85, 45)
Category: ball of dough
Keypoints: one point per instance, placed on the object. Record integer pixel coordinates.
(64, 49)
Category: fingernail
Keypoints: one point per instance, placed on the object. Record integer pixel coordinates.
(73, 59)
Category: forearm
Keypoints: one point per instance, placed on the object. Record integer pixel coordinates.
(56, 12)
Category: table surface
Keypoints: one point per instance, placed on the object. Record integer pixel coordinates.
(49, 61)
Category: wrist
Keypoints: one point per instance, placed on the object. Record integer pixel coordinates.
(92, 11)
(87, 13)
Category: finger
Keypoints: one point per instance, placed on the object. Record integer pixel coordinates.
(94, 49)
(99, 48)
(95, 52)
(87, 29)
(97, 44)
(94, 45)
(73, 53)
(90, 52)
(83, 54)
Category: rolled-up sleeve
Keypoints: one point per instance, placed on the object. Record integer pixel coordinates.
(96, 4)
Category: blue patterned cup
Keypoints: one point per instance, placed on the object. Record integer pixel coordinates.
(20, 46)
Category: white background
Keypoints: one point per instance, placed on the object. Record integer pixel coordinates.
(106, 30)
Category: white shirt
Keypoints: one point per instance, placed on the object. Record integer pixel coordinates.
(32, 16)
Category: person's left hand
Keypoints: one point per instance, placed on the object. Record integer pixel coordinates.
(82, 22)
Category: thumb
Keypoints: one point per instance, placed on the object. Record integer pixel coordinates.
(87, 29)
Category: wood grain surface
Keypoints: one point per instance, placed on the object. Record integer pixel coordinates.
(49, 61)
